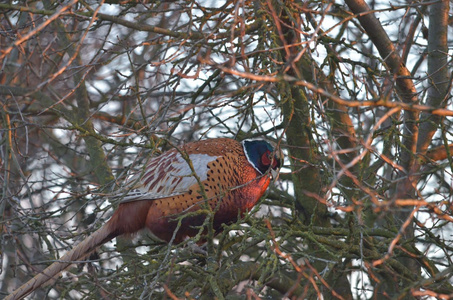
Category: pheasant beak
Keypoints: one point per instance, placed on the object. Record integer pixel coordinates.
(275, 173)
(276, 164)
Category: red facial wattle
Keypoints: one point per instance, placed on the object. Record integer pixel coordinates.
(265, 158)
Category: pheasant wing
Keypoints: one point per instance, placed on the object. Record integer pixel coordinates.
(167, 175)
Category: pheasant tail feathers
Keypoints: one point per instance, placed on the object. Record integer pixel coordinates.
(79, 252)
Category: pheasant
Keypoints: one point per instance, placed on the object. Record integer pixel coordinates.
(223, 175)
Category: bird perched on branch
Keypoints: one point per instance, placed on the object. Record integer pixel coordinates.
(220, 175)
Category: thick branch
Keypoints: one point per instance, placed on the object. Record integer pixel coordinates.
(250, 270)
(82, 118)
(378, 35)
(438, 153)
(437, 70)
